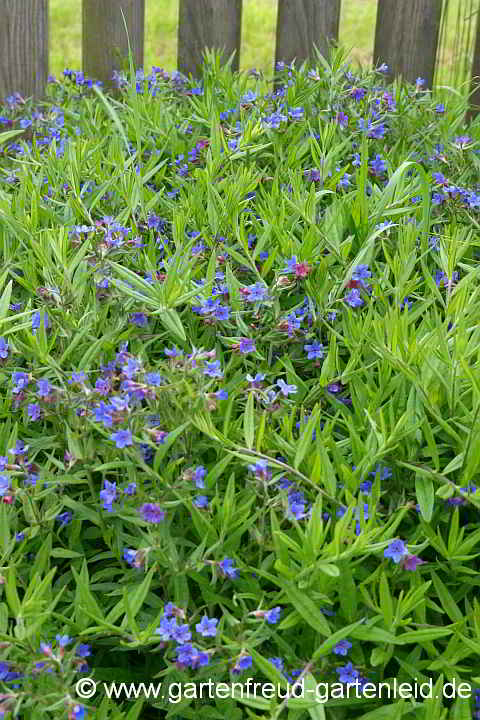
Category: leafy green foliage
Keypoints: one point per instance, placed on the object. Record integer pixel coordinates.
(239, 396)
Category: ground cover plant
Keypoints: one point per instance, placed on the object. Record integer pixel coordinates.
(239, 331)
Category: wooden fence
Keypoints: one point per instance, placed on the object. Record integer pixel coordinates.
(406, 36)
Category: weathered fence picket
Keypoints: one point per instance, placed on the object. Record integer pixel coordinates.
(104, 40)
(474, 108)
(23, 47)
(406, 37)
(303, 24)
(208, 23)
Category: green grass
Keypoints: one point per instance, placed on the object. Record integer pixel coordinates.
(357, 30)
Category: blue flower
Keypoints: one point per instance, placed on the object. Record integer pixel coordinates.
(181, 633)
(154, 379)
(103, 413)
(139, 319)
(4, 484)
(63, 640)
(83, 650)
(342, 647)
(285, 389)
(385, 472)
(43, 388)
(153, 513)
(78, 712)
(207, 627)
(189, 656)
(366, 487)
(396, 551)
(108, 495)
(249, 97)
(166, 628)
(20, 382)
(314, 350)
(227, 568)
(122, 438)
(296, 113)
(198, 476)
(361, 273)
(347, 673)
(260, 469)
(212, 369)
(255, 381)
(290, 265)
(273, 615)
(296, 504)
(201, 501)
(36, 322)
(256, 293)
(244, 662)
(173, 352)
(131, 368)
(77, 377)
(358, 93)
(276, 662)
(353, 298)
(3, 348)
(64, 518)
(377, 166)
(246, 345)
(130, 556)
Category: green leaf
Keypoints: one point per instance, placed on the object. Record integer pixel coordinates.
(418, 636)
(137, 597)
(81, 510)
(371, 633)
(11, 591)
(135, 710)
(249, 421)
(252, 700)
(268, 669)
(217, 471)
(305, 440)
(307, 608)
(64, 553)
(461, 709)
(386, 602)
(41, 564)
(328, 569)
(425, 496)
(171, 320)
(5, 300)
(433, 705)
(9, 134)
(166, 445)
(446, 599)
(113, 114)
(85, 601)
(392, 711)
(330, 643)
(325, 472)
